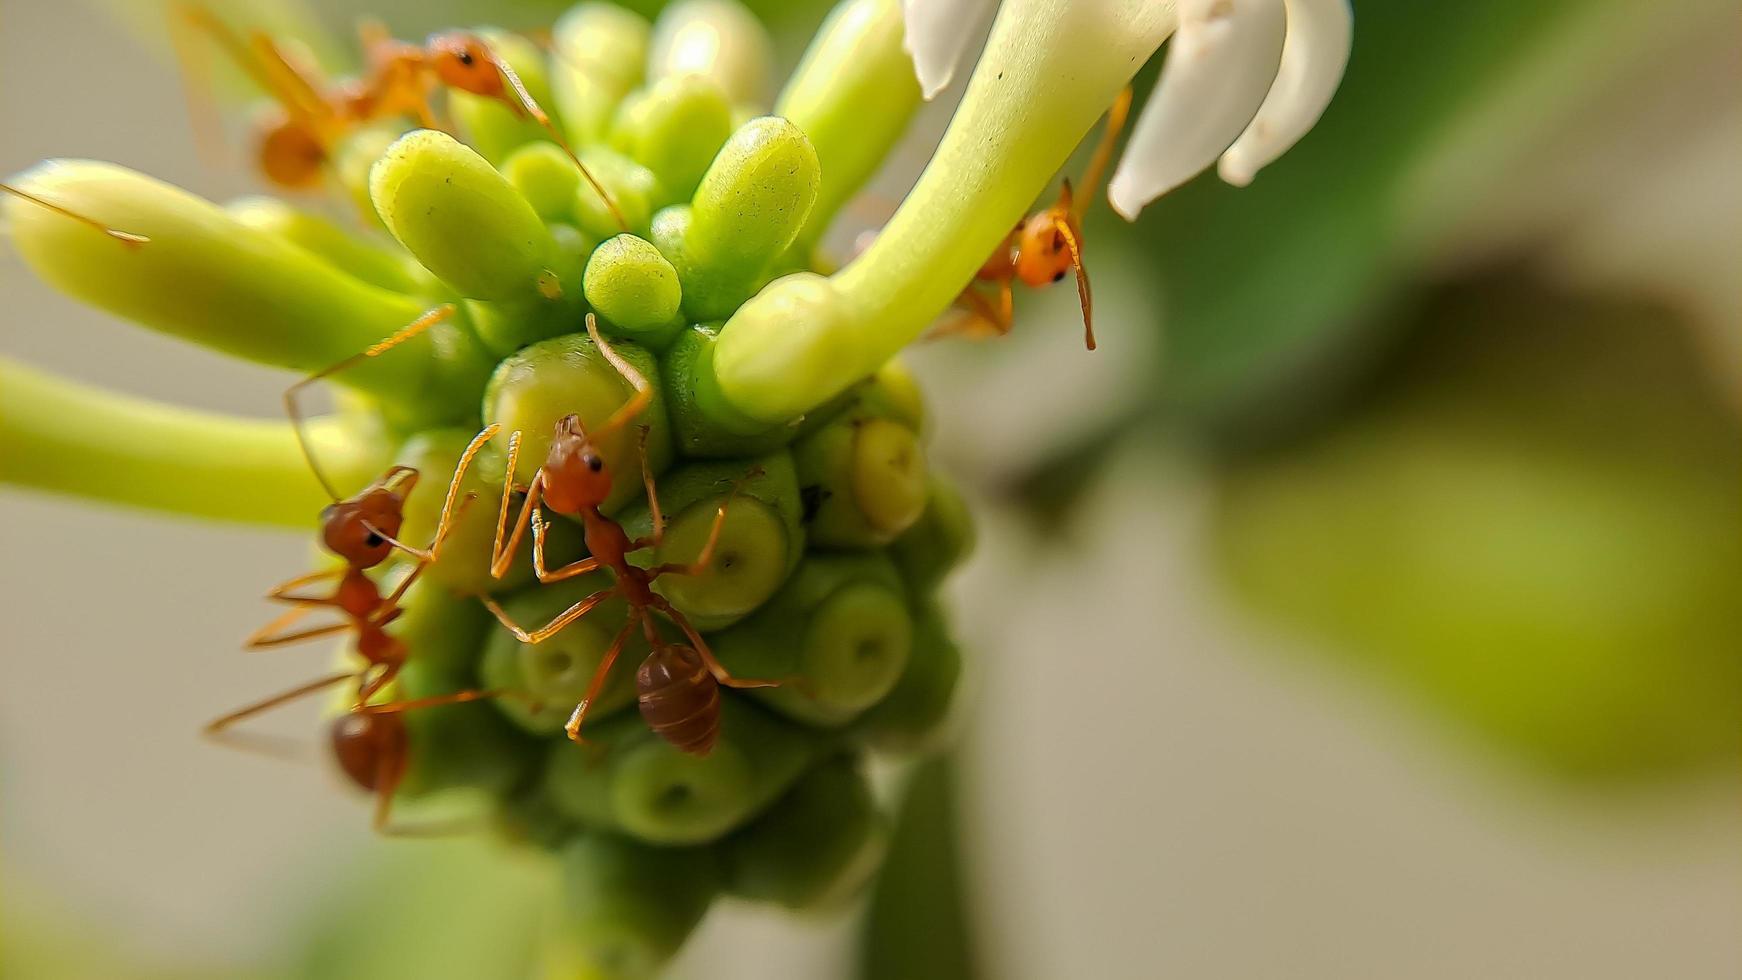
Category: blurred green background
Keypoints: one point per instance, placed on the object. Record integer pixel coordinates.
(1369, 604)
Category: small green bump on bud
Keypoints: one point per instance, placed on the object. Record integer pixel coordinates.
(815, 848)
(629, 284)
(674, 129)
(461, 218)
(633, 188)
(866, 478)
(664, 796)
(703, 424)
(535, 387)
(546, 177)
(839, 628)
(553, 675)
(599, 52)
(938, 542)
(760, 542)
(337, 247)
(752, 202)
(628, 907)
(493, 128)
(914, 718)
(717, 39)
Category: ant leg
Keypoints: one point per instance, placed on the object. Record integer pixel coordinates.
(501, 556)
(716, 668)
(1103, 150)
(282, 592)
(372, 686)
(569, 571)
(556, 625)
(272, 635)
(433, 701)
(705, 557)
(532, 109)
(652, 494)
(415, 327)
(1069, 234)
(126, 238)
(597, 684)
(217, 725)
(643, 391)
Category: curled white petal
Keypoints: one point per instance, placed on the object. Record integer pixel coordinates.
(1219, 67)
(937, 34)
(1314, 54)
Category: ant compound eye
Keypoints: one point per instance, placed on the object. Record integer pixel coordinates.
(464, 55)
(1058, 275)
(593, 462)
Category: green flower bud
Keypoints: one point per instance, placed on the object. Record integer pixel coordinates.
(536, 387)
(717, 39)
(337, 247)
(633, 288)
(462, 220)
(629, 907)
(839, 632)
(864, 480)
(674, 129)
(632, 781)
(599, 51)
(208, 278)
(759, 542)
(938, 542)
(633, 188)
(504, 328)
(455, 746)
(491, 127)
(853, 95)
(914, 718)
(816, 847)
(554, 675)
(701, 430)
(546, 177)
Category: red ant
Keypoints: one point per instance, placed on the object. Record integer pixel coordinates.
(1043, 247)
(126, 238)
(362, 530)
(296, 148)
(677, 685)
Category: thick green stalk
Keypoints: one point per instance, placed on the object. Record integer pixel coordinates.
(64, 437)
(1050, 69)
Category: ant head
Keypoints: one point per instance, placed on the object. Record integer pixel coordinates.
(291, 154)
(1043, 254)
(357, 529)
(575, 474)
(464, 61)
(369, 747)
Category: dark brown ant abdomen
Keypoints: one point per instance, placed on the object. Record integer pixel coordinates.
(370, 748)
(679, 699)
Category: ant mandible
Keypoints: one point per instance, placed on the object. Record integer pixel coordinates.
(1044, 246)
(677, 685)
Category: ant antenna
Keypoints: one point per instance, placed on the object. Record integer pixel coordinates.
(538, 114)
(126, 238)
(1104, 153)
(643, 392)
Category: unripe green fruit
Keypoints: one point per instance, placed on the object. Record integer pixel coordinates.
(674, 128)
(628, 907)
(635, 190)
(554, 675)
(600, 50)
(633, 288)
(336, 246)
(864, 479)
(717, 39)
(816, 846)
(938, 542)
(546, 177)
(914, 717)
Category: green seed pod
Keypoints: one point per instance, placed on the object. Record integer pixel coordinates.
(629, 907)
(719, 40)
(839, 632)
(554, 675)
(634, 289)
(914, 718)
(633, 188)
(816, 847)
(631, 781)
(938, 542)
(493, 128)
(546, 177)
(208, 278)
(534, 388)
(864, 480)
(688, 376)
(600, 50)
(760, 542)
(455, 746)
(748, 210)
(462, 220)
(853, 95)
(674, 129)
(337, 247)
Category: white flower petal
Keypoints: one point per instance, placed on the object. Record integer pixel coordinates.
(937, 34)
(1218, 69)
(1314, 54)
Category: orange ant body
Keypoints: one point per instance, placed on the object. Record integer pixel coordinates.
(678, 685)
(1043, 247)
(126, 238)
(296, 145)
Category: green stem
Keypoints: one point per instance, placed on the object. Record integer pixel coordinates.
(917, 927)
(64, 437)
(1050, 69)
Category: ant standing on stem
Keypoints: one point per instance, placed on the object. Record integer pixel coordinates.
(369, 741)
(677, 686)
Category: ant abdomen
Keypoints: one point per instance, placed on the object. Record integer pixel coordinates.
(679, 698)
(369, 747)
